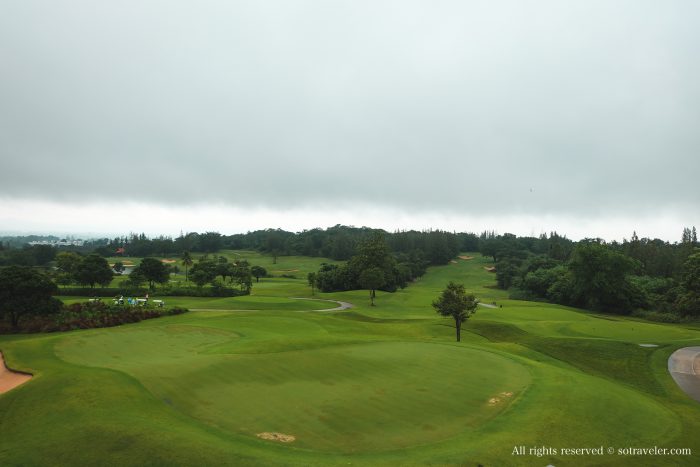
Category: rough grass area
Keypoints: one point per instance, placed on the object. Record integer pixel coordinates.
(619, 361)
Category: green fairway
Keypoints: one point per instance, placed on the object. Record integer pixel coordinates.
(384, 385)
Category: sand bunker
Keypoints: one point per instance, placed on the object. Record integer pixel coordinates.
(466, 258)
(648, 345)
(168, 261)
(274, 436)
(684, 366)
(10, 379)
(490, 269)
(453, 261)
(500, 398)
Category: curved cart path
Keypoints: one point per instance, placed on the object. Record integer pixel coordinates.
(684, 366)
(341, 306)
(10, 379)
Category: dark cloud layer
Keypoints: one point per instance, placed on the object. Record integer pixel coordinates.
(509, 107)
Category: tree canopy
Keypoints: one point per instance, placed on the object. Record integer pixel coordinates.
(643, 276)
(93, 269)
(456, 303)
(600, 278)
(372, 279)
(26, 291)
(153, 270)
(390, 271)
(258, 272)
(688, 302)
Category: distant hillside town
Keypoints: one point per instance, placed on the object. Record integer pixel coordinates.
(58, 243)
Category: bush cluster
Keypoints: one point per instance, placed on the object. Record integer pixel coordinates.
(89, 315)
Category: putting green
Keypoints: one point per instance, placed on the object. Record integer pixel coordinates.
(363, 397)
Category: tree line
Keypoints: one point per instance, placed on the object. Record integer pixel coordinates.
(338, 243)
(648, 277)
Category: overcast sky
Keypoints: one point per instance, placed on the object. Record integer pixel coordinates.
(523, 116)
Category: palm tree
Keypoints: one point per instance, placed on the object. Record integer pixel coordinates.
(187, 262)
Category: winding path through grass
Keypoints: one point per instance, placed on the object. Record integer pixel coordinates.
(341, 306)
(684, 366)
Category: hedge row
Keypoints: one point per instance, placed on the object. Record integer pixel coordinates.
(88, 316)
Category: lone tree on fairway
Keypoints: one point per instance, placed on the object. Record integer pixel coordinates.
(455, 302)
(372, 279)
(187, 262)
(274, 243)
(258, 272)
(312, 281)
(26, 291)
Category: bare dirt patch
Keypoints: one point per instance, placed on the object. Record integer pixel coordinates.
(286, 270)
(10, 379)
(274, 436)
(466, 258)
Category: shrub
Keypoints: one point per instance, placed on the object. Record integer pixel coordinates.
(90, 315)
(657, 316)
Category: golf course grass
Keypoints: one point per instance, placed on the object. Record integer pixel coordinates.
(384, 385)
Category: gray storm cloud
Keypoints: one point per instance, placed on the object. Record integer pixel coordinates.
(483, 106)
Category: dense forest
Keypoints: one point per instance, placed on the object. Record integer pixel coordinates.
(648, 277)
